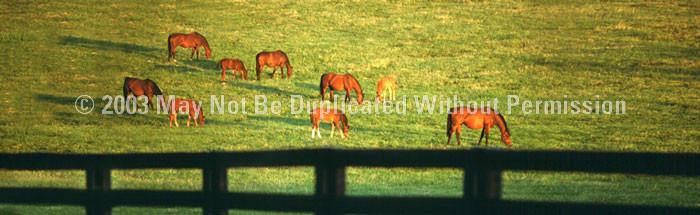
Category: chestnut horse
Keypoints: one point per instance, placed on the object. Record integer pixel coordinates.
(139, 87)
(186, 106)
(336, 117)
(272, 59)
(386, 85)
(192, 40)
(235, 65)
(476, 118)
(341, 82)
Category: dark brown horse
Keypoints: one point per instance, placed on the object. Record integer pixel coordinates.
(192, 40)
(139, 87)
(336, 117)
(235, 65)
(476, 118)
(341, 82)
(272, 59)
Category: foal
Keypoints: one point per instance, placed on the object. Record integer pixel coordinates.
(336, 117)
(386, 85)
(186, 106)
(235, 65)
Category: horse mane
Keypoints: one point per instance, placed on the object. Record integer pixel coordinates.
(344, 119)
(504, 122)
(204, 40)
(359, 87)
(156, 89)
(125, 88)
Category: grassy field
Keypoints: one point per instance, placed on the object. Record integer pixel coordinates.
(646, 54)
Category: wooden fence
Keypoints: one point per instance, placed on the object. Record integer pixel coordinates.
(482, 180)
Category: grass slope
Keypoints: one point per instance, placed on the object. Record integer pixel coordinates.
(644, 53)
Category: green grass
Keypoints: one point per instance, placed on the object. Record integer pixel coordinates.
(645, 53)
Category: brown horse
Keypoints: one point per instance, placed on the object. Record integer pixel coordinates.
(192, 40)
(336, 117)
(235, 65)
(139, 87)
(341, 82)
(387, 84)
(272, 59)
(186, 106)
(476, 118)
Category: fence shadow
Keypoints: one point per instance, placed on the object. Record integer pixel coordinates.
(110, 45)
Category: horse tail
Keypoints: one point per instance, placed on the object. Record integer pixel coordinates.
(504, 122)
(320, 84)
(170, 46)
(257, 65)
(126, 87)
(449, 123)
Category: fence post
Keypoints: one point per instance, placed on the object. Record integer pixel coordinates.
(214, 183)
(98, 181)
(330, 183)
(481, 184)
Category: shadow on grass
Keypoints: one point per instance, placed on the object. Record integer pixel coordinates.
(309, 86)
(9, 212)
(109, 45)
(280, 119)
(190, 66)
(96, 118)
(265, 89)
(62, 100)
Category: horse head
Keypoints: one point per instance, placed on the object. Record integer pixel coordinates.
(360, 98)
(207, 51)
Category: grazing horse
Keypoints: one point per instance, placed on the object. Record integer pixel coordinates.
(139, 87)
(341, 82)
(186, 106)
(235, 65)
(272, 59)
(192, 40)
(336, 117)
(386, 85)
(476, 118)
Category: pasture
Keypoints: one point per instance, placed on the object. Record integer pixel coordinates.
(646, 54)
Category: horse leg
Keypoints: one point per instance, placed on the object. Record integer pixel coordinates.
(197, 50)
(347, 95)
(188, 120)
(223, 74)
(459, 135)
(192, 55)
(313, 131)
(332, 129)
(150, 102)
(173, 117)
(449, 137)
(482, 136)
(487, 129)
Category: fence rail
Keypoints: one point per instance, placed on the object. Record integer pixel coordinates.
(482, 180)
